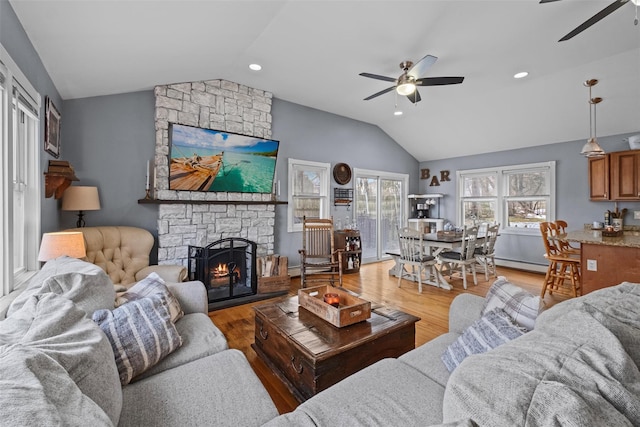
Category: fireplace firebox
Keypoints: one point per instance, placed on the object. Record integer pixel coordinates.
(227, 268)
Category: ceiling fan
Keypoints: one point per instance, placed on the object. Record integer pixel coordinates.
(408, 81)
(598, 16)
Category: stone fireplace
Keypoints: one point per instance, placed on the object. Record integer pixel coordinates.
(191, 218)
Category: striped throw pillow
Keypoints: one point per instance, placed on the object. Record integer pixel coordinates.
(490, 331)
(152, 285)
(141, 334)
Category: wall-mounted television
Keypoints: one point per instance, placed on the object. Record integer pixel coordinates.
(213, 160)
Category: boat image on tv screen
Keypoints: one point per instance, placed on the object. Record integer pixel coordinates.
(213, 160)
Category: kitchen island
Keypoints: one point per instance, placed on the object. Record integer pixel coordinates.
(607, 261)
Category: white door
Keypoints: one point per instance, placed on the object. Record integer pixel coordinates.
(380, 206)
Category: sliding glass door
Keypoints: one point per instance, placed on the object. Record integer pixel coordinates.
(380, 204)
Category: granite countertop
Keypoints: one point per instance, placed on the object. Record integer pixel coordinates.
(630, 238)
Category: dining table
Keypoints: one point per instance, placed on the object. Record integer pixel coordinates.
(434, 244)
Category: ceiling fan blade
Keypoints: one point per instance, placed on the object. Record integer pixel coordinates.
(437, 81)
(375, 76)
(414, 97)
(595, 18)
(548, 1)
(382, 92)
(421, 66)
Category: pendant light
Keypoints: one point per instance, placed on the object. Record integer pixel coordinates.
(591, 148)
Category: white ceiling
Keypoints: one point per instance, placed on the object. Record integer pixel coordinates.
(313, 51)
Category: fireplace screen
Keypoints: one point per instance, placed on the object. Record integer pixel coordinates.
(226, 267)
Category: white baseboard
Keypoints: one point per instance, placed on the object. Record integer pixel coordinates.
(521, 265)
(295, 271)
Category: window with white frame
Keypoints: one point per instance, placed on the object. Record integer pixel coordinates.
(518, 197)
(308, 192)
(20, 177)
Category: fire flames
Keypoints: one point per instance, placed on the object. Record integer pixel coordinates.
(222, 270)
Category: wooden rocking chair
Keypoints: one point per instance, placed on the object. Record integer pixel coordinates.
(319, 260)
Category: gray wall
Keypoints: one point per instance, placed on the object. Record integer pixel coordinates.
(17, 44)
(110, 138)
(308, 134)
(572, 190)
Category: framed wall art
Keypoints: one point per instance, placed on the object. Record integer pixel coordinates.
(52, 129)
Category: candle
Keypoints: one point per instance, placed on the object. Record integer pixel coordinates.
(155, 182)
(332, 299)
(147, 176)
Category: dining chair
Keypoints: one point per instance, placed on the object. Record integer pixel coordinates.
(485, 251)
(564, 267)
(412, 252)
(453, 261)
(319, 260)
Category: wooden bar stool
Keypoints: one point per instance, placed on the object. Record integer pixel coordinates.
(563, 273)
(561, 228)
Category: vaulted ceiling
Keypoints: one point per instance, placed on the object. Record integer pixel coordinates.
(312, 52)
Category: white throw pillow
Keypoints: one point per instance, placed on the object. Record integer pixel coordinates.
(522, 306)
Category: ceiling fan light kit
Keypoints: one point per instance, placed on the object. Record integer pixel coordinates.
(406, 85)
(409, 80)
(592, 148)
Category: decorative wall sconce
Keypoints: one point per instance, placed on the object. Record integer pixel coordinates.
(57, 178)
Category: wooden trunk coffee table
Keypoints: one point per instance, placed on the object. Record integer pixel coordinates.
(309, 354)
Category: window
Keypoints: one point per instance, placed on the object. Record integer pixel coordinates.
(308, 192)
(518, 197)
(20, 176)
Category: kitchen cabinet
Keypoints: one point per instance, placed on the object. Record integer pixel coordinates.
(612, 266)
(616, 176)
(607, 261)
(625, 175)
(599, 178)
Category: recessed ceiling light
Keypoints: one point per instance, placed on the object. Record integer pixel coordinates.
(255, 67)
(397, 113)
(520, 75)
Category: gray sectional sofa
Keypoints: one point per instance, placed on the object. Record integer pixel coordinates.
(579, 366)
(203, 382)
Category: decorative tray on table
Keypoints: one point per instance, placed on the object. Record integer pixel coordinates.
(350, 309)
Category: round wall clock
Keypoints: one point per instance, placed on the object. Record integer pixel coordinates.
(342, 173)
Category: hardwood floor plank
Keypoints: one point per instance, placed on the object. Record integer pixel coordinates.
(372, 283)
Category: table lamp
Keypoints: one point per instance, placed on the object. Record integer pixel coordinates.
(79, 198)
(54, 245)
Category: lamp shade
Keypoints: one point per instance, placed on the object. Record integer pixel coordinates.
(80, 198)
(54, 245)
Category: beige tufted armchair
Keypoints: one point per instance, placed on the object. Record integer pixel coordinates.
(123, 253)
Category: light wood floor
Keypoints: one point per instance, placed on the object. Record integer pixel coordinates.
(374, 284)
